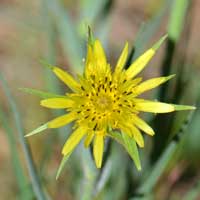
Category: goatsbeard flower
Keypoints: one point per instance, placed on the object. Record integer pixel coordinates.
(101, 100)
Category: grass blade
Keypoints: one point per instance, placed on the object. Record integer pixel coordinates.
(68, 36)
(149, 183)
(23, 184)
(176, 22)
(37, 188)
(62, 164)
(149, 29)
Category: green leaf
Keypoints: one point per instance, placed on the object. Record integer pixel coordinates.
(149, 29)
(176, 22)
(129, 144)
(67, 34)
(89, 11)
(62, 164)
(41, 94)
(132, 149)
(38, 130)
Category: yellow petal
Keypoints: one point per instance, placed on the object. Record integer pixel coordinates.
(98, 149)
(122, 59)
(66, 78)
(88, 139)
(99, 53)
(137, 136)
(89, 65)
(62, 120)
(141, 124)
(154, 107)
(138, 65)
(73, 140)
(57, 103)
(150, 84)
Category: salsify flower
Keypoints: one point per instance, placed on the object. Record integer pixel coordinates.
(103, 99)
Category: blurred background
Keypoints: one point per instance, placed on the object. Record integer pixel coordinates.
(56, 30)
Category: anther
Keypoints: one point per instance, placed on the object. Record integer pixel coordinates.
(95, 127)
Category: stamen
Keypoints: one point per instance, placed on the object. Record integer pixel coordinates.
(82, 88)
(95, 127)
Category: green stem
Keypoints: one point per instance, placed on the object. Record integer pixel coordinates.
(146, 188)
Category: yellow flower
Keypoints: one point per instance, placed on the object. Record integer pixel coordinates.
(103, 100)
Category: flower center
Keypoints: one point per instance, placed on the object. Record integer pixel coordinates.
(103, 102)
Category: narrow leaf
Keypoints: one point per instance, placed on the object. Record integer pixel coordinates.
(37, 187)
(62, 164)
(37, 130)
(43, 95)
(129, 144)
(183, 107)
(132, 149)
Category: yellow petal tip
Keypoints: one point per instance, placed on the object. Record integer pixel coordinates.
(152, 133)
